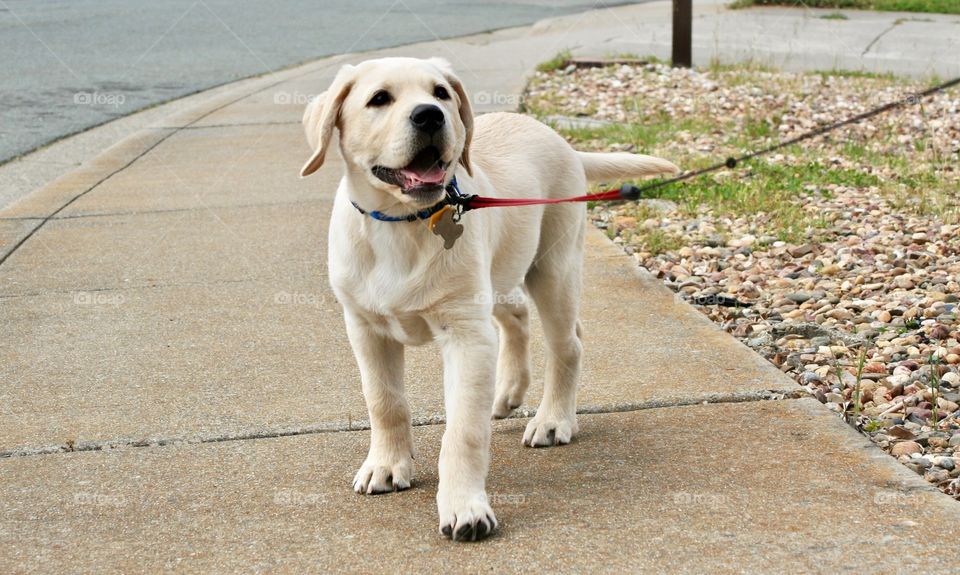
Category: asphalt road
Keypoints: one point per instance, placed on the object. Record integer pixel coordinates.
(69, 65)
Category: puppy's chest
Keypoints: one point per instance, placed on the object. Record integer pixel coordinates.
(394, 307)
(407, 327)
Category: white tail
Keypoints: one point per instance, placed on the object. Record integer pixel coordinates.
(600, 166)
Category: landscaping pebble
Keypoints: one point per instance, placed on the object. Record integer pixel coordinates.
(905, 448)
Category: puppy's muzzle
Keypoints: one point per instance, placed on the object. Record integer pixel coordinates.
(427, 118)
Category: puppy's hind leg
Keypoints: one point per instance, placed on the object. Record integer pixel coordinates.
(513, 361)
(554, 283)
(389, 463)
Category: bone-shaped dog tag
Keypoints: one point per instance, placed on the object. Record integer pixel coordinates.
(443, 225)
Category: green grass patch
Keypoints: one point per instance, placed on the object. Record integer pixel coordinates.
(656, 241)
(772, 191)
(632, 56)
(929, 6)
(835, 16)
(556, 63)
(836, 73)
(643, 135)
(932, 6)
(632, 229)
(717, 66)
(758, 187)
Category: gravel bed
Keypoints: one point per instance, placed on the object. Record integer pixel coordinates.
(858, 301)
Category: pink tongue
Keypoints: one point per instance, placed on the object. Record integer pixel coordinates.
(433, 175)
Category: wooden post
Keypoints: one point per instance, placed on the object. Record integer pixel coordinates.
(682, 33)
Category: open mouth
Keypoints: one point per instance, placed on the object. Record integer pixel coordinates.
(423, 175)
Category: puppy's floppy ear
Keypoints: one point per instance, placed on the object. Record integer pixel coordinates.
(321, 116)
(463, 105)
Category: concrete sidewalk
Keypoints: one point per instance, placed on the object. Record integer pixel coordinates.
(177, 392)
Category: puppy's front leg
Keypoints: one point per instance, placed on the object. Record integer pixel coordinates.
(469, 360)
(389, 464)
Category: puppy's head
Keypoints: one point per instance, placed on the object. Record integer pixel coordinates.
(404, 123)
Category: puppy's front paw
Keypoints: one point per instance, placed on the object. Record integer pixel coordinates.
(466, 518)
(381, 475)
(545, 430)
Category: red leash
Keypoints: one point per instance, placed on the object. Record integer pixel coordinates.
(445, 221)
(467, 203)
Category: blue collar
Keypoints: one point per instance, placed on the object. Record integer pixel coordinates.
(452, 189)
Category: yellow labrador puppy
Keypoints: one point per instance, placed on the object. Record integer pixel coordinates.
(406, 130)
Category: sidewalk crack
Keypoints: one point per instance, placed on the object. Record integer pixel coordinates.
(363, 425)
(876, 39)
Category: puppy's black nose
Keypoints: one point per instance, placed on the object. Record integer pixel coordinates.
(427, 117)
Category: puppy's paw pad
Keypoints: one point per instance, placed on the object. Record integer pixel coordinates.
(472, 523)
(374, 478)
(547, 432)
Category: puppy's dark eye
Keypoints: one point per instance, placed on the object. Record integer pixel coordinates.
(441, 93)
(381, 98)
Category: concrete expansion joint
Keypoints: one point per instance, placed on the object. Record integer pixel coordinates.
(363, 425)
(43, 221)
(175, 210)
(130, 288)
